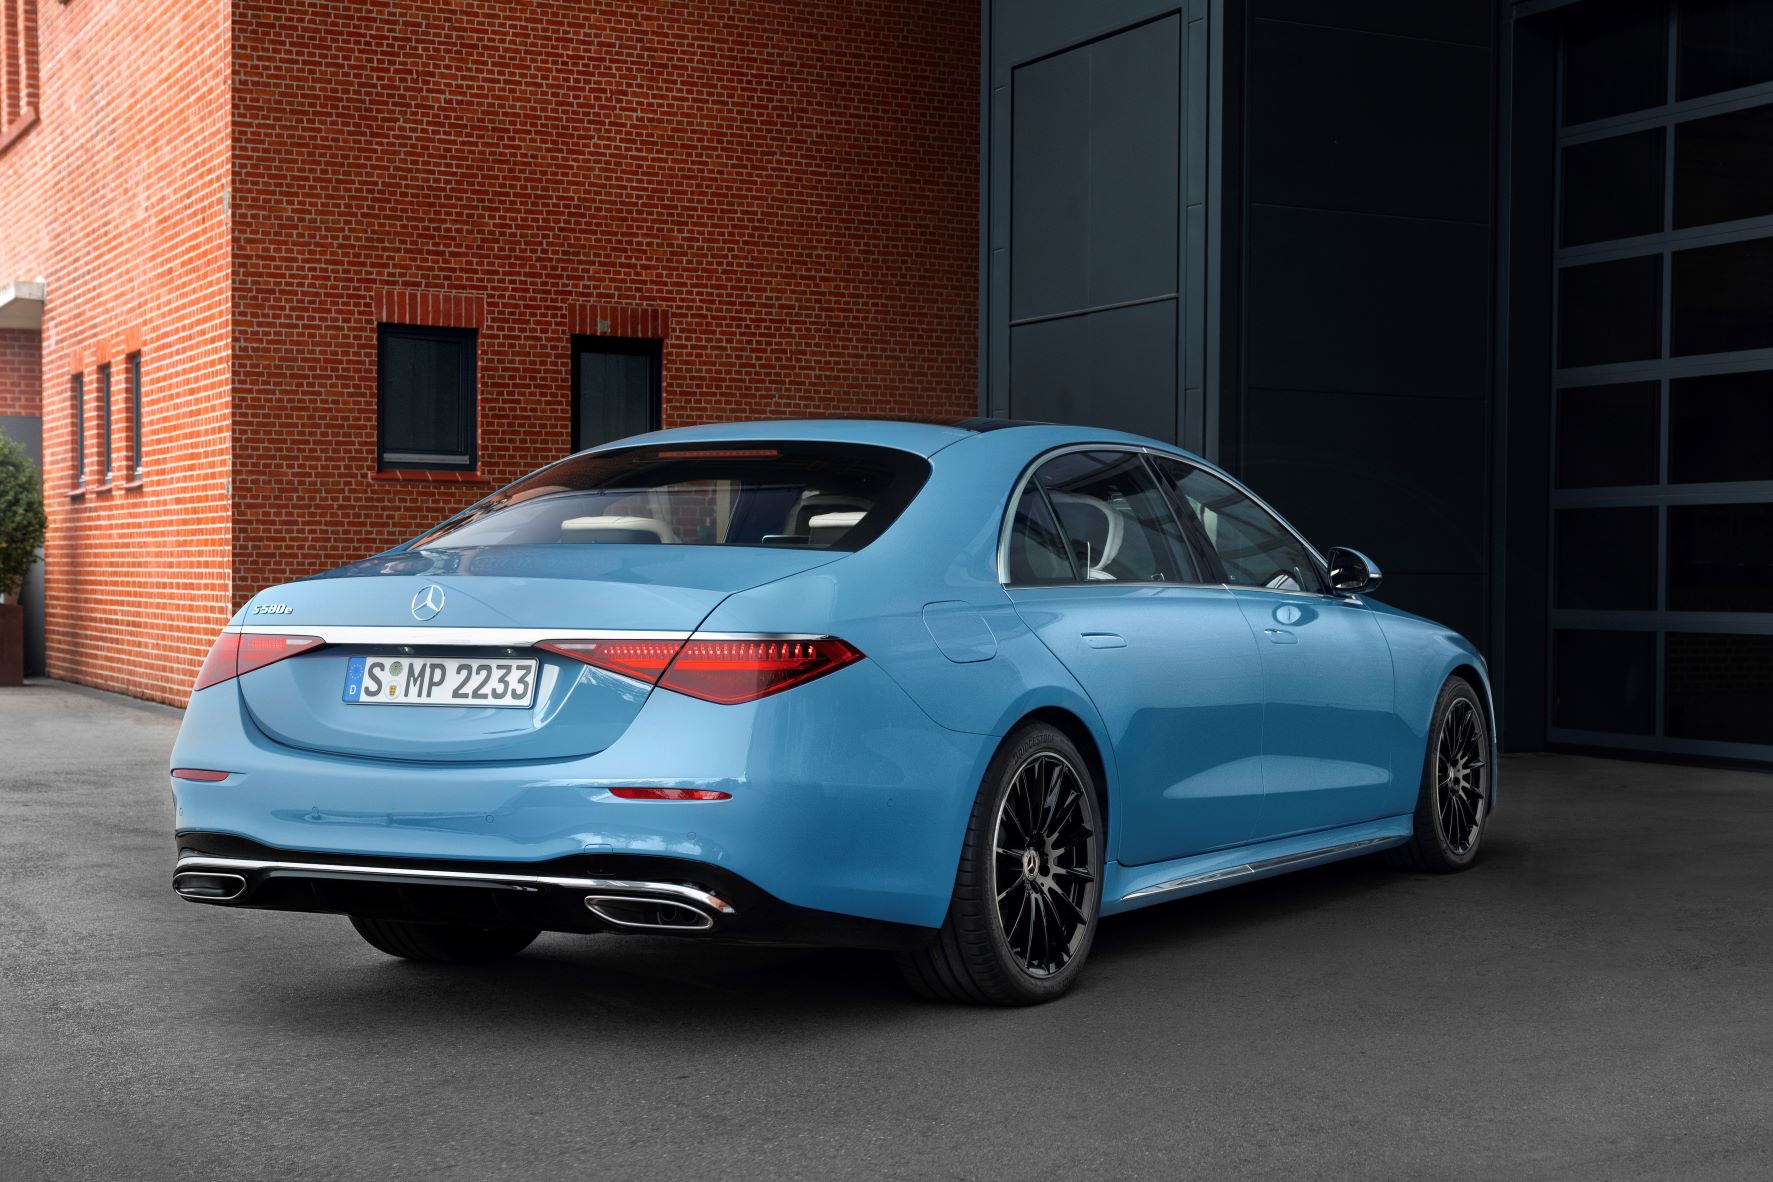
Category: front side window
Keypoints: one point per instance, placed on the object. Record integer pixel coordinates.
(426, 413)
(816, 496)
(1255, 549)
(1113, 520)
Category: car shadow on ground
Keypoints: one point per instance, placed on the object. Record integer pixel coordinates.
(645, 981)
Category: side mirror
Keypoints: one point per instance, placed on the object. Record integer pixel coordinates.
(1352, 572)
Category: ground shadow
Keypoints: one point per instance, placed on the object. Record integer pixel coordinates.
(643, 981)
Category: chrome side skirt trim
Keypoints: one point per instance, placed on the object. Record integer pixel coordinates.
(1266, 866)
(520, 882)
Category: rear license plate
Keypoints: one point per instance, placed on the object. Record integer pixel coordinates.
(440, 681)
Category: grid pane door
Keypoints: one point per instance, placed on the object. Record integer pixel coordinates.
(1662, 482)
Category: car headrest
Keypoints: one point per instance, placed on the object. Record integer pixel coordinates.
(642, 530)
(1090, 523)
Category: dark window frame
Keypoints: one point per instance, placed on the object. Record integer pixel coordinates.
(104, 409)
(469, 411)
(652, 348)
(134, 364)
(77, 395)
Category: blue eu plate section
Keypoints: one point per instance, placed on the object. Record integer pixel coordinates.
(354, 680)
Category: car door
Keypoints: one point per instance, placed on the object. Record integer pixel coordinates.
(1326, 667)
(1097, 565)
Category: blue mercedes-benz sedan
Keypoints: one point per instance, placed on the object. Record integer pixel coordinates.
(957, 692)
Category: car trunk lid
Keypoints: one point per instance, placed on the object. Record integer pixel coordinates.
(488, 605)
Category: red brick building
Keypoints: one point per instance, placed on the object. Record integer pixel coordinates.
(277, 226)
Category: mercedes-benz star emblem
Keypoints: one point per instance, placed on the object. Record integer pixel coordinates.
(428, 602)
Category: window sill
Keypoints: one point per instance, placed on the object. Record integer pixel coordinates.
(75, 494)
(27, 119)
(429, 476)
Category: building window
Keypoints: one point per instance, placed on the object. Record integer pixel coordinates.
(615, 389)
(77, 396)
(104, 408)
(426, 397)
(18, 67)
(135, 416)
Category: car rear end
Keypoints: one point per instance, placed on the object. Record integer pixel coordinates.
(522, 720)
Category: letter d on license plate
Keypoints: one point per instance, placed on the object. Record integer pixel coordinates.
(439, 681)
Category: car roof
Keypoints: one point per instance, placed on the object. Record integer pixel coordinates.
(924, 439)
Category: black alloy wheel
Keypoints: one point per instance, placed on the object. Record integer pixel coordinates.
(1041, 873)
(1028, 892)
(1453, 802)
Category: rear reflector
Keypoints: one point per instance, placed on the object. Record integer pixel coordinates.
(724, 671)
(670, 794)
(199, 773)
(237, 653)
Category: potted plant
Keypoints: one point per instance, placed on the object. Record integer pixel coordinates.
(21, 532)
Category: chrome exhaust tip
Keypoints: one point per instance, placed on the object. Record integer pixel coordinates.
(652, 915)
(208, 886)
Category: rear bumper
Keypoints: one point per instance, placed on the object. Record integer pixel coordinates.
(844, 798)
(582, 893)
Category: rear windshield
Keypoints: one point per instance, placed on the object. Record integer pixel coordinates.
(819, 496)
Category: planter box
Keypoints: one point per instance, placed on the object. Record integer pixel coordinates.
(12, 644)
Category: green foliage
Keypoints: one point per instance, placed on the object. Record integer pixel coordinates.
(21, 516)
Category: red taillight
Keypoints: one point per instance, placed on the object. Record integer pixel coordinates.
(669, 794)
(724, 671)
(731, 671)
(205, 775)
(237, 653)
(642, 660)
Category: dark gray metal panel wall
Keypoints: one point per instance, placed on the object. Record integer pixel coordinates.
(1362, 409)
(1344, 365)
(1095, 210)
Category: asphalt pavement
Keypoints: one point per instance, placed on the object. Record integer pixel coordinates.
(1595, 1000)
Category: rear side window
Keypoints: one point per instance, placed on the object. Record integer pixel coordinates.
(1255, 549)
(820, 496)
(1037, 552)
(1113, 521)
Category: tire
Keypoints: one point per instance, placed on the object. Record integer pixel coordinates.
(1039, 803)
(443, 942)
(1453, 801)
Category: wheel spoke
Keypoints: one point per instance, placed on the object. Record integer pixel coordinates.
(1061, 902)
(1065, 810)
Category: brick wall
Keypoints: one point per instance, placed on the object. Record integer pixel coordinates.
(786, 190)
(116, 197)
(20, 376)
